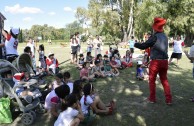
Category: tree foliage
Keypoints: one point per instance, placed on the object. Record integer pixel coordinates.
(49, 32)
(123, 18)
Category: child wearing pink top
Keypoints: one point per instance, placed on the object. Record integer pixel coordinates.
(84, 73)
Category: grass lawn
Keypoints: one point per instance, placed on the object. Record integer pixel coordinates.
(130, 95)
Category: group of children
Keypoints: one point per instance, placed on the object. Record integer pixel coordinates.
(103, 66)
(70, 102)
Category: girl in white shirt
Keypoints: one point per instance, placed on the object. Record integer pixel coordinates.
(89, 99)
(72, 113)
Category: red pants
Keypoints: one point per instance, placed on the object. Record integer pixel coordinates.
(161, 67)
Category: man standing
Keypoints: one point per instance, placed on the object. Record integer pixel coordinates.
(159, 60)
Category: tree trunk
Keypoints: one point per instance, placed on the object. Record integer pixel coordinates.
(130, 23)
(189, 39)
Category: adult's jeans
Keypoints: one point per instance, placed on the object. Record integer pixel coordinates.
(159, 67)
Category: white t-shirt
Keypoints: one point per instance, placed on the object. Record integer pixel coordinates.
(66, 117)
(11, 45)
(73, 42)
(70, 87)
(51, 99)
(96, 42)
(88, 102)
(31, 47)
(191, 52)
(177, 47)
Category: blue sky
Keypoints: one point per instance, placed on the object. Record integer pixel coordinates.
(25, 13)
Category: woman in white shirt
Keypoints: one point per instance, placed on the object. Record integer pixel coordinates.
(177, 49)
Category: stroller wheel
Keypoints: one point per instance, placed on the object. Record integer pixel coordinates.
(27, 119)
(33, 114)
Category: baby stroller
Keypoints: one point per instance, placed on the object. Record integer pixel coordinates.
(24, 63)
(8, 90)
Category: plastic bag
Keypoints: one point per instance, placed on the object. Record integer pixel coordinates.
(5, 113)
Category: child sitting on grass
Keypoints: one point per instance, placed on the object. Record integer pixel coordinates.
(58, 81)
(52, 63)
(114, 66)
(84, 73)
(80, 61)
(53, 99)
(117, 59)
(99, 58)
(90, 99)
(90, 59)
(96, 70)
(67, 81)
(107, 67)
(77, 89)
(71, 114)
(139, 71)
(128, 58)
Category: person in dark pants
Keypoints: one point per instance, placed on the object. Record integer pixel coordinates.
(159, 60)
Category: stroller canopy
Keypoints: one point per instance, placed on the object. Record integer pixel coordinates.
(6, 66)
(24, 63)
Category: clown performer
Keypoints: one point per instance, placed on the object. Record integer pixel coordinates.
(159, 60)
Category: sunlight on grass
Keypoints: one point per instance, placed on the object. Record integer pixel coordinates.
(120, 90)
(118, 116)
(175, 72)
(128, 91)
(135, 92)
(132, 115)
(141, 120)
